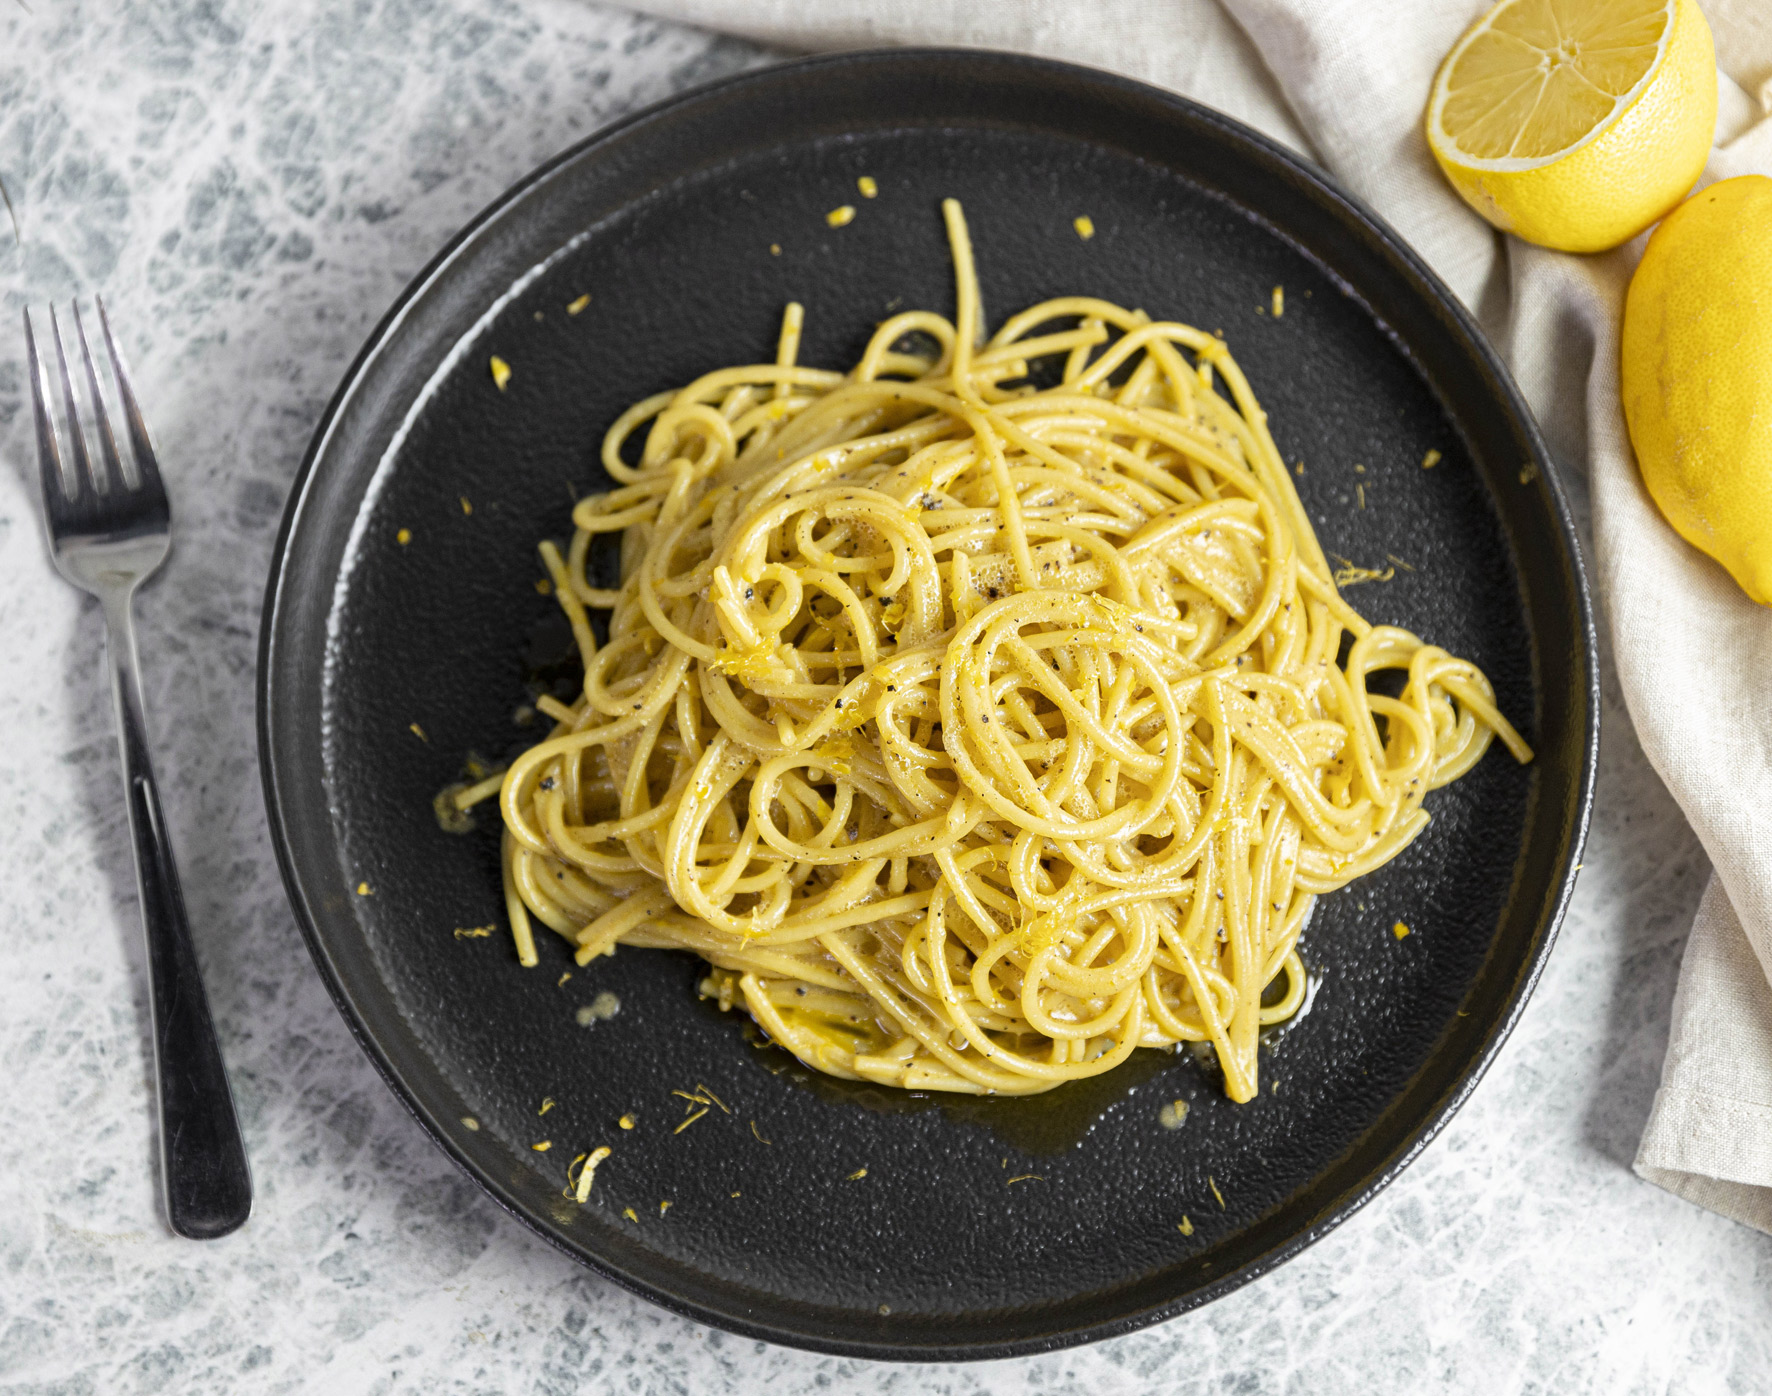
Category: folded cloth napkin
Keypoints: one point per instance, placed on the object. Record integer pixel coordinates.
(1346, 81)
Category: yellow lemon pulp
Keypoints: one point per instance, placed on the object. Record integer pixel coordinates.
(1696, 375)
(1576, 123)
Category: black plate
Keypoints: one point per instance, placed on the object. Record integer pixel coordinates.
(982, 1228)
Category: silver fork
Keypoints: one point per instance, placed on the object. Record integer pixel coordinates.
(108, 533)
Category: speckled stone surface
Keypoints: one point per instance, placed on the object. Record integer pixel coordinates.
(250, 184)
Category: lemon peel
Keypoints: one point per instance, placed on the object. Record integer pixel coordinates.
(1695, 360)
(1576, 125)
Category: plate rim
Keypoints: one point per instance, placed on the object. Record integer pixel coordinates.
(1415, 1139)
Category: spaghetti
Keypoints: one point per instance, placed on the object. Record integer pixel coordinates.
(974, 732)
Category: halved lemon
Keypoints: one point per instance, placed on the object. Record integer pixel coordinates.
(1576, 123)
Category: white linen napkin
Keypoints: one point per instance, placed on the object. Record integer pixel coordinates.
(1347, 81)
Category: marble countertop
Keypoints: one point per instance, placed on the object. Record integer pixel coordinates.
(251, 184)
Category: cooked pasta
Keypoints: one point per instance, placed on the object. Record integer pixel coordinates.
(974, 732)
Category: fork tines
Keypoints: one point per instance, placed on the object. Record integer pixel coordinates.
(76, 480)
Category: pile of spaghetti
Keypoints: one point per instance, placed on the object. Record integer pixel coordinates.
(975, 733)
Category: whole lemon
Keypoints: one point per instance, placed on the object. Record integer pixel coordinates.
(1696, 374)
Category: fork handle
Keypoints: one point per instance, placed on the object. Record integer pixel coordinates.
(203, 1165)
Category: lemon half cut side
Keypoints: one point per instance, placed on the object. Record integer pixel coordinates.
(1576, 124)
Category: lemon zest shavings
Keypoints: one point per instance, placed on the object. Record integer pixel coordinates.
(1352, 574)
(711, 1098)
(582, 1192)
